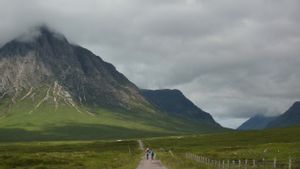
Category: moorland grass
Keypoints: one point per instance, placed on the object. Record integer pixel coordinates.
(279, 143)
(70, 155)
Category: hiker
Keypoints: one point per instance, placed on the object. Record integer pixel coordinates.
(151, 153)
(147, 153)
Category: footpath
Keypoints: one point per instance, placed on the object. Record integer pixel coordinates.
(149, 164)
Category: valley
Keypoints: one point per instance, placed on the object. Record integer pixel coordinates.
(62, 106)
(52, 89)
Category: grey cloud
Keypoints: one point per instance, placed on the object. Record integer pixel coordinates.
(233, 58)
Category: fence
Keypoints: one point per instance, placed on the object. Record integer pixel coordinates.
(244, 163)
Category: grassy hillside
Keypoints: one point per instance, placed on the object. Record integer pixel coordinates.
(66, 155)
(279, 143)
(45, 119)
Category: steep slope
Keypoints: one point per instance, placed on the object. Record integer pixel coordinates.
(49, 59)
(290, 118)
(174, 103)
(256, 122)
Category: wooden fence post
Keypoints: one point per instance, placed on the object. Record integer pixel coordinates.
(274, 162)
(221, 164)
(290, 162)
(228, 165)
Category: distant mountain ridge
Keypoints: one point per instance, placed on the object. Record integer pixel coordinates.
(173, 102)
(288, 119)
(256, 122)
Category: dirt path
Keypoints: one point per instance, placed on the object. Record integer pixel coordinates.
(149, 164)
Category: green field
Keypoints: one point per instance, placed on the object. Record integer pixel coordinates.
(279, 143)
(70, 155)
(37, 119)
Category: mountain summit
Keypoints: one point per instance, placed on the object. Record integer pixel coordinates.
(48, 60)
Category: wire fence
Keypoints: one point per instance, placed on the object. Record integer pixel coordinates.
(288, 163)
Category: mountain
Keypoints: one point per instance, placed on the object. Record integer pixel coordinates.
(174, 103)
(68, 71)
(256, 122)
(290, 118)
(53, 89)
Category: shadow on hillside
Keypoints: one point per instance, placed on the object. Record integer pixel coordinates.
(74, 132)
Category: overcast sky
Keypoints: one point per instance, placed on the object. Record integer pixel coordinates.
(233, 58)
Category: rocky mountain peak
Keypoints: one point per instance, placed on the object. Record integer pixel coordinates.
(39, 38)
(44, 57)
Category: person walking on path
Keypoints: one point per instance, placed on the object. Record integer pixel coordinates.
(152, 154)
(147, 153)
(149, 164)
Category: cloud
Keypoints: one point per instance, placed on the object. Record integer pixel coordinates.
(232, 58)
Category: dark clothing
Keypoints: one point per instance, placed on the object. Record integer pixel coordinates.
(152, 155)
(147, 154)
